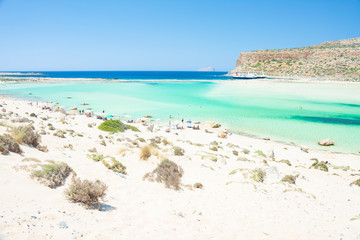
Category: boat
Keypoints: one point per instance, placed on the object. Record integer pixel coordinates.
(247, 76)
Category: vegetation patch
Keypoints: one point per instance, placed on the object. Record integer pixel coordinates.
(26, 135)
(198, 185)
(356, 182)
(9, 144)
(52, 174)
(178, 151)
(260, 153)
(258, 175)
(285, 161)
(289, 179)
(320, 165)
(167, 172)
(116, 126)
(87, 192)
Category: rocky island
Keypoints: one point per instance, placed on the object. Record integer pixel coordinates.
(332, 60)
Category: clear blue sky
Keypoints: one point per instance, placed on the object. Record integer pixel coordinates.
(162, 35)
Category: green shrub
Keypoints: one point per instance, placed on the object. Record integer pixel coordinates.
(114, 165)
(260, 153)
(96, 157)
(52, 174)
(285, 161)
(236, 153)
(289, 179)
(356, 182)
(258, 175)
(86, 192)
(167, 172)
(320, 166)
(116, 126)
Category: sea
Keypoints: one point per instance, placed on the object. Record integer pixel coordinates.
(299, 113)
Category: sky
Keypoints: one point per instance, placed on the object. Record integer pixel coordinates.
(182, 35)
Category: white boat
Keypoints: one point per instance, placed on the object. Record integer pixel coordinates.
(247, 76)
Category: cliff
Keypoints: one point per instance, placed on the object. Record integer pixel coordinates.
(336, 60)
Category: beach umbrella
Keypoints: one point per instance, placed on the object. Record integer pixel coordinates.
(110, 116)
(188, 121)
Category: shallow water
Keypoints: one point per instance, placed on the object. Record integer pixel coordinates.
(301, 113)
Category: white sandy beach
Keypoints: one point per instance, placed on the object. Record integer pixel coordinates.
(321, 205)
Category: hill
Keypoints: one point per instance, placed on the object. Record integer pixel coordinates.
(335, 60)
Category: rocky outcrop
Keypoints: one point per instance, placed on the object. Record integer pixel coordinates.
(326, 142)
(335, 60)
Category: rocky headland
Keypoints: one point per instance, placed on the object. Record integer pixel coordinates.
(332, 60)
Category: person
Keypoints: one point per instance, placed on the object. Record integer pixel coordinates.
(182, 121)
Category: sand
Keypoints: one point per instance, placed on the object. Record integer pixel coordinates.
(322, 205)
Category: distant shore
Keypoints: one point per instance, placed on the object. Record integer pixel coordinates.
(269, 78)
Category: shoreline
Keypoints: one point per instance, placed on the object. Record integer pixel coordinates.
(289, 79)
(241, 134)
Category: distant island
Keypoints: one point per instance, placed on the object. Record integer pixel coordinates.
(206, 69)
(19, 74)
(333, 60)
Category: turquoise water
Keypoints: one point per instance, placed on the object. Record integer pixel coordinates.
(301, 113)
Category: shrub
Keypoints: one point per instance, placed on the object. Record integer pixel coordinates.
(245, 151)
(93, 150)
(236, 153)
(213, 148)
(26, 135)
(178, 151)
(258, 175)
(60, 134)
(198, 185)
(52, 174)
(319, 165)
(260, 153)
(90, 125)
(86, 192)
(356, 182)
(33, 115)
(289, 179)
(167, 172)
(96, 157)
(140, 140)
(145, 152)
(285, 161)
(166, 142)
(114, 165)
(42, 148)
(9, 144)
(116, 126)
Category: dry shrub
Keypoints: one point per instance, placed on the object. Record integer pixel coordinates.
(167, 172)
(9, 144)
(198, 185)
(178, 151)
(42, 148)
(26, 135)
(145, 152)
(86, 192)
(166, 142)
(52, 174)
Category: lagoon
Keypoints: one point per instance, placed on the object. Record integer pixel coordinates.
(298, 112)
